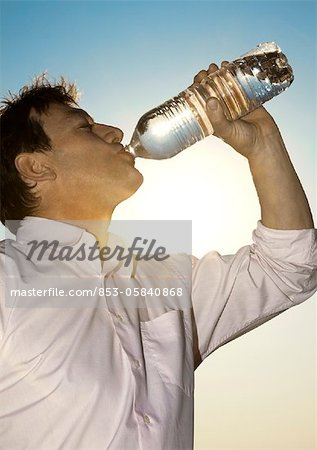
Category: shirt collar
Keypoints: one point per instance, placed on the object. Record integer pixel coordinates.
(39, 229)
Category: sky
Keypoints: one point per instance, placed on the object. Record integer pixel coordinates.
(127, 57)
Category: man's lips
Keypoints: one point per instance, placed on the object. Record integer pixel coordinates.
(123, 152)
(119, 148)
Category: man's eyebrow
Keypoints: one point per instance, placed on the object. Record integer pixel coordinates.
(71, 114)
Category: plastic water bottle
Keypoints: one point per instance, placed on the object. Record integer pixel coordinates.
(241, 86)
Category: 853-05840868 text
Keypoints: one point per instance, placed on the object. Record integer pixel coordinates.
(108, 292)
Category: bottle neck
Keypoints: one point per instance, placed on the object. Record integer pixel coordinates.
(130, 149)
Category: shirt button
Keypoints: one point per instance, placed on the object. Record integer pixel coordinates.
(137, 364)
(146, 419)
(119, 317)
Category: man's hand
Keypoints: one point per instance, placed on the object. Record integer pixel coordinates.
(256, 136)
(248, 135)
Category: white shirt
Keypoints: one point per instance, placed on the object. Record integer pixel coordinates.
(117, 374)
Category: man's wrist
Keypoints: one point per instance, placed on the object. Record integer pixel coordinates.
(282, 198)
(271, 147)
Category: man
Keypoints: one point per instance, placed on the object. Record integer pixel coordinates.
(119, 373)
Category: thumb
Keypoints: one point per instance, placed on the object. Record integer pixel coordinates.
(222, 126)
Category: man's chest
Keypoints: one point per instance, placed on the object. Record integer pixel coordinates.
(66, 350)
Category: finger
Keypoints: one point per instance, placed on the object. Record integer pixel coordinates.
(223, 128)
(212, 68)
(200, 76)
(224, 63)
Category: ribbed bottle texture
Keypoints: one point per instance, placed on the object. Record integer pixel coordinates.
(241, 87)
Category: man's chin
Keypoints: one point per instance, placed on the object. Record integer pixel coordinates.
(137, 182)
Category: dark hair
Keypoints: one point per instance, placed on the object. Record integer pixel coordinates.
(20, 133)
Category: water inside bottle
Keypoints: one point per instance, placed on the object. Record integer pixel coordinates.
(250, 80)
(167, 129)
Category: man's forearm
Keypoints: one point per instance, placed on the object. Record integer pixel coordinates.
(283, 201)
(256, 136)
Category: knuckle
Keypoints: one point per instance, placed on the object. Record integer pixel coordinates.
(212, 67)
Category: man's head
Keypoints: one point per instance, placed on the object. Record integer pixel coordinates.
(56, 161)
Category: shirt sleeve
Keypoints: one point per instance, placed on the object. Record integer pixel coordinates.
(233, 294)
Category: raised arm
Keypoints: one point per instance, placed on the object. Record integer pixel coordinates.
(256, 136)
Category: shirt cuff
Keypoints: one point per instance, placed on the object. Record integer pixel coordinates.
(294, 246)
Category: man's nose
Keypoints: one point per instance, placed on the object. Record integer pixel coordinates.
(113, 135)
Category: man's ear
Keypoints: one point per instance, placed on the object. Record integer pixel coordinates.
(32, 166)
